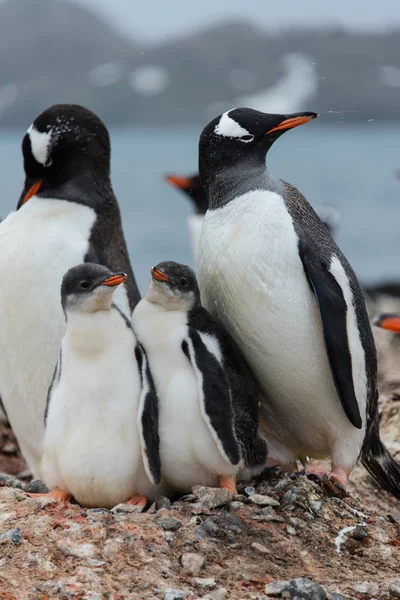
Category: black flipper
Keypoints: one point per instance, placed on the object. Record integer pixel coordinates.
(148, 419)
(215, 398)
(333, 310)
(54, 381)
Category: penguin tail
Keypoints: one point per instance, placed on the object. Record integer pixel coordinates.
(380, 464)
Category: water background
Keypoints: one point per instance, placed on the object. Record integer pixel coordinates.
(352, 167)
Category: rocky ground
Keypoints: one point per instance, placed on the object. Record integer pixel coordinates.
(281, 537)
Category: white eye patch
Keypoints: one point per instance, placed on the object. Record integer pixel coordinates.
(228, 127)
(40, 142)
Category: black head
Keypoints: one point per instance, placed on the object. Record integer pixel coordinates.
(192, 187)
(63, 142)
(174, 286)
(242, 135)
(89, 287)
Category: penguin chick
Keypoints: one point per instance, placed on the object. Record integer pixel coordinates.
(93, 439)
(207, 395)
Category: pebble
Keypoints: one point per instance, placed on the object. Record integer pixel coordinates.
(163, 502)
(212, 497)
(37, 486)
(126, 508)
(9, 481)
(367, 588)
(219, 594)
(170, 524)
(192, 562)
(273, 588)
(261, 500)
(13, 535)
(296, 588)
(78, 550)
(290, 530)
(169, 537)
(250, 491)
(359, 533)
(315, 505)
(208, 582)
(171, 594)
(394, 588)
(236, 505)
(239, 498)
(260, 548)
(335, 596)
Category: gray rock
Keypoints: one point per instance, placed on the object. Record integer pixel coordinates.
(367, 587)
(260, 548)
(219, 594)
(394, 588)
(359, 533)
(261, 500)
(169, 537)
(290, 530)
(192, 562)
(163, 502)
(236, 505)
(170, 524)
(205, 583)
(315, 505)
(275, 588)
(37, 486)
(171, 594)
(9, 481)
(126, 508)
(71, 548)
(225, 525)
(290, 496)
(250, 491)
(239, 498)
(212, 497)
(336, 596)
(12, 535)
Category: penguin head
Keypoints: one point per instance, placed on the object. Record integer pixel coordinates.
(242, 135)
(191, 185)
(89, 288)
(174, 286)
(63, 142)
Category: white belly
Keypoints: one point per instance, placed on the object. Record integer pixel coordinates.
(189, 455)
(253, 280)
(92, 446)
(38, 244)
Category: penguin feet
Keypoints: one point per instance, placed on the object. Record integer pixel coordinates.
(137, 501)
(56, 494)
(334, 483)
(227, 482)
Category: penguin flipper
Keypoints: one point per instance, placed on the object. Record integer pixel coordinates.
(147, 419)
(333, 310)
(215, 397)
(54, 381)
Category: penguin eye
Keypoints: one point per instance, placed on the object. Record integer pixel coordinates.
(247, 138)
(84, 285)
(183, 282)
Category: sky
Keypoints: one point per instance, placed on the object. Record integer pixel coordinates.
(157, 20)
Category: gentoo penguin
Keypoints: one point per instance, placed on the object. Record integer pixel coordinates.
(191, 185)
(272, 274)
(207, 396)
(67, 214)
(92, 443)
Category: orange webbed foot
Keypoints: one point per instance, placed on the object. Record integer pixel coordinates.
(137, 501)
(227, 482)
(56, 494)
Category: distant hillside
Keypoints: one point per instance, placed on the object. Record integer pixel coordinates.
(56, 51)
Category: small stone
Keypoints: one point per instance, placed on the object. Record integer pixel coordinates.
(260, 548)
(367, 587)
(9, 481)
(274, 588)
(169, 537)
(219, 594)
(290, 530)
(171, 594)
(36, 487)
(250, 491)
(394, 588)
(124, 508)
(239, 498)
(305, 588)
(170, 524)
(192, 562)
(359, 533)
(336, 596)
(205, 583)
(236, 505)
(70, 548)
(315, 505)
(13, 535)
(290, 496)
(261, 500)
(163, 502)
(212, 497)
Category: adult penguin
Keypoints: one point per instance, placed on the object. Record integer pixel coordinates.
(67, 214)
(273, 275)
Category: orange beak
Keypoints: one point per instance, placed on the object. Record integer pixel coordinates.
(158, 275)
(183, 183)
(115, 279)
(290, 124)
(32, 191)
(390, 322)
